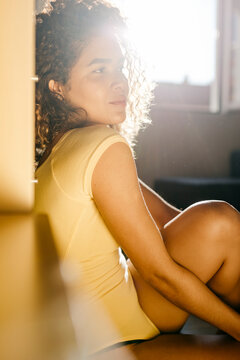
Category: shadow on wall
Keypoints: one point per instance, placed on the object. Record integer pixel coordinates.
(184, 144)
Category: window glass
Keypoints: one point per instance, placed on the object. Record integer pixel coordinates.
(178, 38)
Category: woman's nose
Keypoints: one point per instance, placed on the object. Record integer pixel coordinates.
(120, 81)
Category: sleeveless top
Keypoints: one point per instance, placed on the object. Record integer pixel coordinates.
(64, 193)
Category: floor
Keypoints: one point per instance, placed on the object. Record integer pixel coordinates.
(197, 326)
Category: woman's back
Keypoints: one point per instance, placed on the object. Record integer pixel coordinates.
(82, 238)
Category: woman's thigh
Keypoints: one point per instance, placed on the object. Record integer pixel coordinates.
(193, 239)
(165, 315)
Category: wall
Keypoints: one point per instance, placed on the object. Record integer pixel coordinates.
(16, 105)
(182, 143)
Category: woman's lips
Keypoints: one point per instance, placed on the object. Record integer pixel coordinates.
(119, 102)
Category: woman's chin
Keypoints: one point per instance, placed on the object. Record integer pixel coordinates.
(118, 120)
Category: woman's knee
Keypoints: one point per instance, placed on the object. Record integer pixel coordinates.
(206, 221)
(206, 224)
(213, 207)
(203, 237)
(219, 218)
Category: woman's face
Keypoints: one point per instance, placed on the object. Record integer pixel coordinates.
(97, 84)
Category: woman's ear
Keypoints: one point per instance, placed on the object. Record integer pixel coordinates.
(56, 87)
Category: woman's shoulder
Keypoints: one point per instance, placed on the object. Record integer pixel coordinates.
(89, 137)
(95, 132)
(84, 142)
(78, 152)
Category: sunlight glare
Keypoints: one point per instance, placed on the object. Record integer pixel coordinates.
(178, 38)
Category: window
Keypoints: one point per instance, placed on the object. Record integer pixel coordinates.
(182, 43)
(231, 58)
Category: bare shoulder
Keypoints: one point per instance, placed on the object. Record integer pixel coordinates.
(116, 164)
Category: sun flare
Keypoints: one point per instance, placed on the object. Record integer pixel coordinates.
(176, 38)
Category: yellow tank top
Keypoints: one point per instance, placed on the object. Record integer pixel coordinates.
(64, 193)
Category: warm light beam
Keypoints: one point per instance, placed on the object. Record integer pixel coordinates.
(177, 37)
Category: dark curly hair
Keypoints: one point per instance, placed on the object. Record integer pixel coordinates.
(63, 29)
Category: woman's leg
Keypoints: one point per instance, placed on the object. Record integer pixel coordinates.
(205, 239)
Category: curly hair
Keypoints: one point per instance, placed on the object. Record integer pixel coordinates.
(62, 31)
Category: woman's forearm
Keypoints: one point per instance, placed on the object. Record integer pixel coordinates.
(186, 291)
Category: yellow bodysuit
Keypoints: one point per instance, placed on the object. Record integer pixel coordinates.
(63, 192)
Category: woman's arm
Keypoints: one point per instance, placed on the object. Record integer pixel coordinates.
(117, 195)
(161, 211)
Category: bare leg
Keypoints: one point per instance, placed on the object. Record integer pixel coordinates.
(205, 239)
(211, 247)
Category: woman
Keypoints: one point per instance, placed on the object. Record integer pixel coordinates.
(91, 99)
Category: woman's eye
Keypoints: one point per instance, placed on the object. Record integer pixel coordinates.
(104, 69)
(120, 69)
(99, 71)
